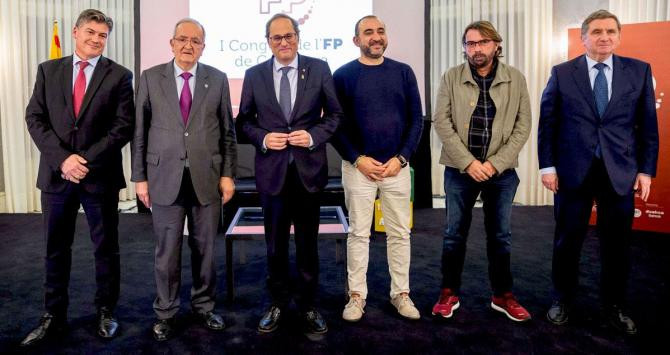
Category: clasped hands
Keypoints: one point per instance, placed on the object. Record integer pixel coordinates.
(479, 171)
(376, 171)
(279, 141)
(74, 168)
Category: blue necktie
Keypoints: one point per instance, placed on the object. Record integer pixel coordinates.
(285, 93)
(600, 92)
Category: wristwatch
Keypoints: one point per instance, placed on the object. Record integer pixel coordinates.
(403, 161)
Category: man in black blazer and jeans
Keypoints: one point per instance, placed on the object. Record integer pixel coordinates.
(80, 116)
(281, 113)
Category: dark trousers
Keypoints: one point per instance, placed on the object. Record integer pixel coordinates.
(60, 215)
(572, 209)
(497, 196)
(297, 205)
(203, 222)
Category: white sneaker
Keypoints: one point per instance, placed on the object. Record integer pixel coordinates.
(353, 311)
(405, 306)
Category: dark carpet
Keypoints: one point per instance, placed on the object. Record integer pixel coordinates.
(475, 328)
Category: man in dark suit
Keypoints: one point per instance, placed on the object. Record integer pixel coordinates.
(598, 139)
(184, 154)
(281, 114)
(80, 125)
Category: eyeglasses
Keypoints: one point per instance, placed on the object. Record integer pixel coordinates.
(289, 37)
(195, 42)
(473, 44)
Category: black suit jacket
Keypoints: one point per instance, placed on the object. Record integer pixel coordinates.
(104, 125)
(570, 127)
(315, 110)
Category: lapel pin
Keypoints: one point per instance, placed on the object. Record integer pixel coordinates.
(302, 76)
(206, 86)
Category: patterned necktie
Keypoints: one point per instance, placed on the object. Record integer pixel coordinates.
(285, 93)
(79, 88)
(600, 91)
(185, 99)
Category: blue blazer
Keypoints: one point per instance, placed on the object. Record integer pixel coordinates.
(315, 110)
(570, 128)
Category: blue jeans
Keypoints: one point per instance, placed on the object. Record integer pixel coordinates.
(497, 196)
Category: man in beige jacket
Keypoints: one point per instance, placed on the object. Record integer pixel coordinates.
(483, 118)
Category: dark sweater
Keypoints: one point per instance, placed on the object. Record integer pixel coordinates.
(382, 110)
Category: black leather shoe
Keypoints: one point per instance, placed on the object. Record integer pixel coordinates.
(621, 322)
(163, 329)
(314, 323)
(211, 320)
(49, 326)
(558, 313)
(107, 324)
(270, 320)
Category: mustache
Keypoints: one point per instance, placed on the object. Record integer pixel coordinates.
(373, 42)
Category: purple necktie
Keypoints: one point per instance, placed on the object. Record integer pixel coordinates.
(185, 98)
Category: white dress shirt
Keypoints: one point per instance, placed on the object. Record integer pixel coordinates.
(88, 71)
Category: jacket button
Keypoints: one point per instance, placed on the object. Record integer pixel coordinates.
(472, 103)
(185, 134)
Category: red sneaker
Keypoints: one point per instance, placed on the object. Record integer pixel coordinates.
(507, 304)
(447, 304)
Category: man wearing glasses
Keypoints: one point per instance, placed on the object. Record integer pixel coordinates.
(184, 157)
(288, 111)
(483, 118)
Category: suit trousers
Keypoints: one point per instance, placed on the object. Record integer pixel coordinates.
(60, 215)
(497, 196)
(572, 210)
(293, 204)
(359, 196)
(203, 222)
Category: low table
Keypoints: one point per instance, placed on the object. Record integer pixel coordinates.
(248, 225)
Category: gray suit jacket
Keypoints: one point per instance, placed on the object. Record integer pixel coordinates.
(162, 142)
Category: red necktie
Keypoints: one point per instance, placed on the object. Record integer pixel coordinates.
(79, 88)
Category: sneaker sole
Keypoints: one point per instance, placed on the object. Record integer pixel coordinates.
(502, 310)
(352, 320)
(453, 308)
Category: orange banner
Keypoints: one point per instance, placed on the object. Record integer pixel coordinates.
(647, 42)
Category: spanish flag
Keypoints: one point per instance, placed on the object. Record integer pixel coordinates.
(54, 50)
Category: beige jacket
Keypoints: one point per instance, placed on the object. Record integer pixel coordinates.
(456, 101)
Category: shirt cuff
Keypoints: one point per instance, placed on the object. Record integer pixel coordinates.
(549, 170)
(311, 142)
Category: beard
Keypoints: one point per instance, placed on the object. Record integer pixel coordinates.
(367, 50)
(480, 60)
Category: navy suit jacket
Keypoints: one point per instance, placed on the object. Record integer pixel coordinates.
(570, 128)
(315, 110)
(104, 126)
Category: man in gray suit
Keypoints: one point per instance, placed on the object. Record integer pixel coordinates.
(184, 158)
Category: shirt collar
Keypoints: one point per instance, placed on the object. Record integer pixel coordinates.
(277, 66)
(178, 71)
(590, 63)
(91, 62)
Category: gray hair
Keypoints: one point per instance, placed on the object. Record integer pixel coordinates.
(599, 15)
(189, 20)
(96, 16)
(278, 16)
